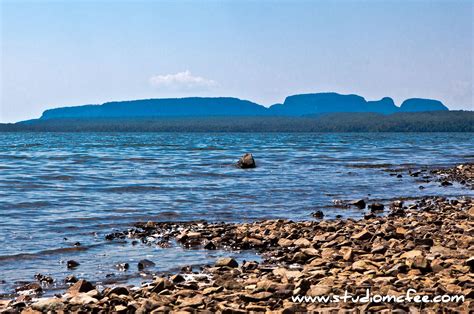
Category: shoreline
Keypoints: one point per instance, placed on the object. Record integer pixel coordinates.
(427, 247)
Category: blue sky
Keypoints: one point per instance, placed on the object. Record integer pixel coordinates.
(59, 53)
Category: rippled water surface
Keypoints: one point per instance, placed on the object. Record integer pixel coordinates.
(60, 188)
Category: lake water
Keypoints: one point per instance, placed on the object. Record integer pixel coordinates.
(57, 189)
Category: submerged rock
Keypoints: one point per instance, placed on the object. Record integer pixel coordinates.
(145, 263)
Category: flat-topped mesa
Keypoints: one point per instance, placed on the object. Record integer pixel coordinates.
(319, 103)
(294, 106)
(166, 107)
(307, 104)
(420, 104)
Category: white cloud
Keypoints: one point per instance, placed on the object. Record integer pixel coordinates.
(181, 81)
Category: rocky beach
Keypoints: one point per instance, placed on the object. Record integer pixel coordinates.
(426, 245)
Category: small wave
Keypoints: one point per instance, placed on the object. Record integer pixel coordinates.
(370, 166)
(31, 204)
(57, 178)
(206, 148)
(140, 159)
(140, 189)
(21, 256)
(6, 157)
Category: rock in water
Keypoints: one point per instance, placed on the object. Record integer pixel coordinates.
(72, 264)
(318, 214)
(246, 162)
(376, 207)
(358, 203)
(145, 263)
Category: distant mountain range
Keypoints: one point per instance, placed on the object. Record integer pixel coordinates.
(294, 106)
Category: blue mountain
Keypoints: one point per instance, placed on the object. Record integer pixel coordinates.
(419, 104)
(166, 107)
(311, 104)
(296, 105)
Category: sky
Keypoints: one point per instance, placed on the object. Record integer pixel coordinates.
(65, 53)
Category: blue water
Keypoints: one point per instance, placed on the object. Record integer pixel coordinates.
(60, 188)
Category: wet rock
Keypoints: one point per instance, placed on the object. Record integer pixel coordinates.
(340, 204)
(44, 279)
(177, 278)
(227, 262)
(122, 266)
(318, 214)
(210, 246)
(145, 263)
(30, 288)
(446, 183)
(71, 264)
(360, 203)
(80, 287)
(376, 207)
(369, 216)
(70, 279)
(414, 173)
(246, 161)
(397, 204)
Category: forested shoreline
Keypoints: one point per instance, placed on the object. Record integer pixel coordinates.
(435, 121)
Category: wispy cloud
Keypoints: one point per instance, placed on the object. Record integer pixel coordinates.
(181, 81)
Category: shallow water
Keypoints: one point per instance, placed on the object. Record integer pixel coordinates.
(60, 188)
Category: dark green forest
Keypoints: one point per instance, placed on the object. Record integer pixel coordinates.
(435, 121)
